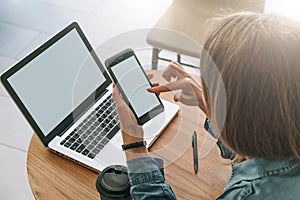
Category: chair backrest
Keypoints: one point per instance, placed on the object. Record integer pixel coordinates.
(190, 16)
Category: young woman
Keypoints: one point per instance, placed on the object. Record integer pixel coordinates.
(258, 57)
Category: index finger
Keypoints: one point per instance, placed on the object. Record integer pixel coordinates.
(174, 70)
(177, 85)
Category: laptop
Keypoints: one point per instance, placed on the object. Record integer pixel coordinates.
(65, 94)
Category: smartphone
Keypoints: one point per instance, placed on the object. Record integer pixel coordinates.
(132, 82)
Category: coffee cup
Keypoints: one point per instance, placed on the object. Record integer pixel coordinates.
(113, 183)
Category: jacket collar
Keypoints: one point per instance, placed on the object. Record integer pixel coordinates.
(259, 167)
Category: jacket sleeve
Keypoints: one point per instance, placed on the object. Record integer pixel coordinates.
(147, 180)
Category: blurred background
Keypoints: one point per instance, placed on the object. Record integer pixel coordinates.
(24, 25)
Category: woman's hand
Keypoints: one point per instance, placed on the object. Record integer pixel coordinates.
(190, 90)
(131, 131)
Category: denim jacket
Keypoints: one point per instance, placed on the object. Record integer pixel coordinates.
(147, 179)
(257, 178)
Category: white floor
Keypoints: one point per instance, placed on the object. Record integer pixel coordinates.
(24, 25)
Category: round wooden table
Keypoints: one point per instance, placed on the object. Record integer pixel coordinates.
(52, 176)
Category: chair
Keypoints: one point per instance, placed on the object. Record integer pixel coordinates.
(182, 28)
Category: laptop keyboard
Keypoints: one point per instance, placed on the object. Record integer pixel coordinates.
(93, 133)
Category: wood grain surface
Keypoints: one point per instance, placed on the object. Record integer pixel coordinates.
(54, 177)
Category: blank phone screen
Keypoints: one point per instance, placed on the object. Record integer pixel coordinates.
(134, 84)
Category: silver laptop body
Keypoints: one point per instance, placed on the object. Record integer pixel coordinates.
(64, 93)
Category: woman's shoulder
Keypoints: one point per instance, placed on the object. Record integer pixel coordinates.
(260, 178)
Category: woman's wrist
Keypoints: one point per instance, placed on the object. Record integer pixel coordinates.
(131, 138)
(136, 153)
(133, 153)
(138, 150)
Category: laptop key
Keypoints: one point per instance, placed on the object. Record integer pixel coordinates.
(71, 140)
(90, 147)
(96, 151)
(99, 137)
(86, 142)
(63, 142)
(93, 119)
(79, 141)
(92, 113)
(111, 108)
(94, 142)
(72, 133)
(102, 134)
(99, 146)
(96, 123)
(83, 136)
(92, 155)
(114, 121)
(94, 134)
(67, 144)
(85, 152)
(104, 141)
(115, 113)
(74, 146)
(80, 148)
(88, 131)
(110, 117)
(68, 137)
(90, 137)
(88, 123)
(98, 114)
(99, 129)
(112, 132)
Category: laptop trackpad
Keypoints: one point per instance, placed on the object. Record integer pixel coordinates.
(112, 154)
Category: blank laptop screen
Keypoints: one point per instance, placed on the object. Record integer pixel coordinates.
(57, 81)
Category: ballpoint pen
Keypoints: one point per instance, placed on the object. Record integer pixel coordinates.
(195, 151)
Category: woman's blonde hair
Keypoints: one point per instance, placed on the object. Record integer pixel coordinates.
(258, 57)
